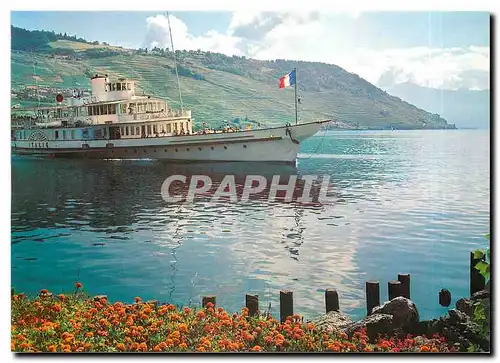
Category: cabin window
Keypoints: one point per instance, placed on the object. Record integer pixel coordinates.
(73, 134)
(129, 87)
(123, 108)
(114, 87)
(169, 128)
(124, 86)
(112, 109)
(103, 109)
(149, 129)
(64, 134)
(155, 130)
(57, 134)
(94, 110)
(163, 128)
(126, 130)
(138, 130)
(105, 132)
(132, 130)
(175, 126)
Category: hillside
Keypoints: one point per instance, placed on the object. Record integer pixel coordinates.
(216, 87)
(465, 108)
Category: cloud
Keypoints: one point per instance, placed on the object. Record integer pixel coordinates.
(157, 35)
(331, 38)
(446, 68)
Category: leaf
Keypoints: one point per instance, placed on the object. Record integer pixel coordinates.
(483, 268)
(488, 254)
(478, 254)
(487, 236)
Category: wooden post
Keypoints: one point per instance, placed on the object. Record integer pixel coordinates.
(331, 300)
(405, 285)
(252, 304)
(444, 297)
(394, 289)
(372, 295)
(206, 299)
(286, 304)
(477, 281)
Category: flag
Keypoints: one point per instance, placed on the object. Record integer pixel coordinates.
(287, 80)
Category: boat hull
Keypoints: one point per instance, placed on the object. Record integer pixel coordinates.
(279, 144)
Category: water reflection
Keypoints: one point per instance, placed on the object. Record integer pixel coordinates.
(396, 200)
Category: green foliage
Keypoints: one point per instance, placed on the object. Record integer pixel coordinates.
(186, 72)
(38, 40)
(479, 317)
(483, 266)
(100, 53)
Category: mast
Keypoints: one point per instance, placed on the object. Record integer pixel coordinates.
(175, 63)
(296, 111)
(35, 77)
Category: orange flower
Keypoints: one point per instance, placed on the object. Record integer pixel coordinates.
(434, 350)
(61, 297)
(182, 346)
(44, 291)
(424, 348)
(120, 347)
(257, 348)
(52, 348)
(138, 299)
(89, 334)
(187, 310)
(78, 285)
(310, 326)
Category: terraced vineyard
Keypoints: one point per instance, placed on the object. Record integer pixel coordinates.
(217, 88)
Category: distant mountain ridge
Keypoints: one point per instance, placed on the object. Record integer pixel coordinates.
(465, 108)
(214, 86)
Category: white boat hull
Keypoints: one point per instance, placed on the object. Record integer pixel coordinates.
(280, 144)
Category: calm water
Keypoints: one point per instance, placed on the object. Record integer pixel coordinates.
(414, 202)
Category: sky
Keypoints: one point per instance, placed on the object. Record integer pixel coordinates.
(446, 50)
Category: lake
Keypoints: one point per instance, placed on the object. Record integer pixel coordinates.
(405, 202)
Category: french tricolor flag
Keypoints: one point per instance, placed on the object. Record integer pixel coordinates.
(287, 80)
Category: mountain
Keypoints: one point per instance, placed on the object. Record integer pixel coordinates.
(465, 108)
(214, 86)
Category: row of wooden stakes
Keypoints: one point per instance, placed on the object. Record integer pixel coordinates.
(399, 287)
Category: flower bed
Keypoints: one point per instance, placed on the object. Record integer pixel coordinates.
(77, 323)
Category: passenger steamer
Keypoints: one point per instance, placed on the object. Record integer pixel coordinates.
(115, 123)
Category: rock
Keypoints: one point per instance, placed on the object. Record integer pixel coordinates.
(480, 295)
(374, 324)
(456, 316)
(465, 306)
(456, 327)
(332, 321)
(404, 312)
